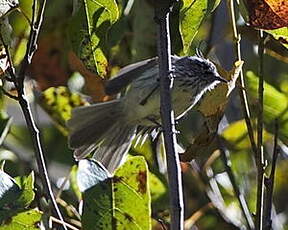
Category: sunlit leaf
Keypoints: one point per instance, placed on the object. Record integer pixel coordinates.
(120, 202)
(21, 29)
(88, 30)
(280, 34)
(143, 148)
(240, 139)
(28, 220)
(268, 14)
(192, 14)
(27, 190)
(279, 7)
(73, 181)
(58, 103)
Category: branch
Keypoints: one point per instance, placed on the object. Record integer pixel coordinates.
(225, 156)
(260, 156)
(162, 10)
(269, 183)
(24, 104)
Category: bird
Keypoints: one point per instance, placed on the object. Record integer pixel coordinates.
(107, 129)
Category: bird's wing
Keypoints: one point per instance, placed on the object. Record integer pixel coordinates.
(142, 71)
(127, 74)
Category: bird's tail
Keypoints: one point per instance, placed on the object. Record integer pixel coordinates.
(101, 128)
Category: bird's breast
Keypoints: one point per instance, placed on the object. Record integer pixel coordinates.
(143, 107)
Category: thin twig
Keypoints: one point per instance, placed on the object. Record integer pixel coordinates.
(260, 156)
(70, 226)
(241, 91)
(211, 192)
(167, 116)
(225, 156)
(24, 104)
(197, 215)
(162, 224)
(269, 182)
(9, 94)
(5, 130)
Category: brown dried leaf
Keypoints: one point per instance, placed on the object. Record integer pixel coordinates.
(280, 7)
(212, 108)
(216, 100)
(49, 67)
(94, 84)
(268, 14)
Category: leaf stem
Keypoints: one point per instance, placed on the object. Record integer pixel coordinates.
(162, 12)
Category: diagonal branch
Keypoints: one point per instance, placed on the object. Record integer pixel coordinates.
(24, 104)
(225, 156)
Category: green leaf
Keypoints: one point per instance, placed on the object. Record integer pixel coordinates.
(159, 193)
(58, 102)
(120, 202)
(144, 148)
(73, 181)
(280, 34)
(240, 139)
(192, 14)
(275, 104)
(15, 194)
(28, 220)
(26, 184)
(88, 30)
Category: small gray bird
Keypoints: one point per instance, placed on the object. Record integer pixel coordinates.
(108, 128)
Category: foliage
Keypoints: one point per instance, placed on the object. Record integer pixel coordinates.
(83, 44)
(123, 201)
